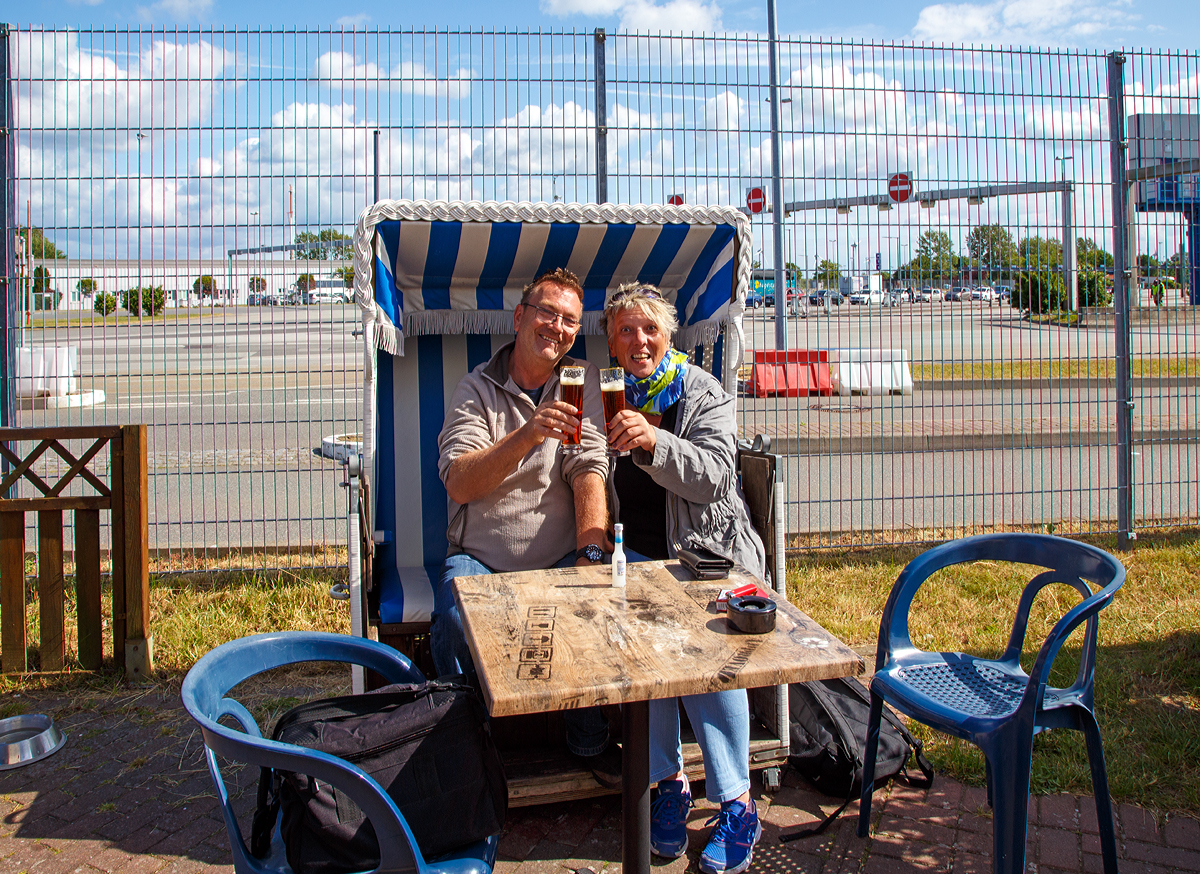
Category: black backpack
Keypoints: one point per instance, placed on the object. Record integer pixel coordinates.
(829, 740)
(428, 745)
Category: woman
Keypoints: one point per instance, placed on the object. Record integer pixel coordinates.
(678, 487)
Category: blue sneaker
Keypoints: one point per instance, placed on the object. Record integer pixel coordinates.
(732, 843)
(668, 820)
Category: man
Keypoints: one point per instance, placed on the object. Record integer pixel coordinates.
(516, 499)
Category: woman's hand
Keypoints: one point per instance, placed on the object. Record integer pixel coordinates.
(629, 429)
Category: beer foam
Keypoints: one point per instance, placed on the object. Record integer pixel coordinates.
(613, 385)
(566, 378)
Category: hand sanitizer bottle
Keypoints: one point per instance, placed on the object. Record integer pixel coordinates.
(618, 556)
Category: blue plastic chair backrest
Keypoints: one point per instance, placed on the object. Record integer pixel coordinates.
(1094, 573)
(205, 697)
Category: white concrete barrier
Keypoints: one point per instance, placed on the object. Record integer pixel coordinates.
(870, 371)
(47, 370)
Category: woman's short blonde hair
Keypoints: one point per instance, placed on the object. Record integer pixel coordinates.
(640, 296)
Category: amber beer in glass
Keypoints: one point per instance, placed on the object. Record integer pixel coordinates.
(612, 392)
(571, 380)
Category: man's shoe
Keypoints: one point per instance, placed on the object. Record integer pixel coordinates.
(668, 820)
(605, 766)
(732, 843)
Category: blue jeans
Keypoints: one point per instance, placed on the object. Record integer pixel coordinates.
(587, 729)
(721, 721)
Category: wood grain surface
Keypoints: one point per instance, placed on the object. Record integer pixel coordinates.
(565, 638)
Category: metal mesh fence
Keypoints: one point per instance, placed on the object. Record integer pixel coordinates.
(927, 194)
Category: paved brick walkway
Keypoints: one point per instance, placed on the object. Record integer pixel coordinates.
(129, 794)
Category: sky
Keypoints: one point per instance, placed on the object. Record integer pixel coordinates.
(1082, 24)
(195, 137)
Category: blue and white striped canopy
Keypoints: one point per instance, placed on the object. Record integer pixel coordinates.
(459, 268)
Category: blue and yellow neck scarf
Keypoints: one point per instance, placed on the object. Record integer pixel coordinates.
(658, 391)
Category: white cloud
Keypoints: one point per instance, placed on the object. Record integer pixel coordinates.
(206, 167)
(407, 77)
(1041, 22)
(359, 20)
(179, 10)
(644, 15)
(723, 112)
(167, 85)
(563, 8)
(675, 15)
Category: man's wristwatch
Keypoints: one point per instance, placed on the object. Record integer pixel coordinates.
(591, 552)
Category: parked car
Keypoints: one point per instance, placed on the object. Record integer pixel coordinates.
(832, 295)
(926, 295)
(755, 299)
(958, 292)
(866, 297)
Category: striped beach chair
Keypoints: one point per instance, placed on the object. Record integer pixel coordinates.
(437, 284)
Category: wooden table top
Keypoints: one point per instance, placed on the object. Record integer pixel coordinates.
(565, 638)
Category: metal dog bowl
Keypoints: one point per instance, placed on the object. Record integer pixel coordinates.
(28, 738)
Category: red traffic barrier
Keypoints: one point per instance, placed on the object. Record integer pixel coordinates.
(789, 372)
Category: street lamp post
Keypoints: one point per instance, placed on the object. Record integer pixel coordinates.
(896, 282)
(257, 261)
(140, 136)
(1068, 234)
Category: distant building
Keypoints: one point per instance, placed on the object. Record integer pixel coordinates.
(178, 278)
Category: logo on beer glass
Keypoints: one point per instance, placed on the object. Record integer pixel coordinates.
(612, 392)
(571, 380)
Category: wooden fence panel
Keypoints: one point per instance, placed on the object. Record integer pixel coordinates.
(126, 497)
(50, 589)
(87, 588)
(12, 593)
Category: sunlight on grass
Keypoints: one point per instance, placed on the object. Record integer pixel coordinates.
(1083, 369)
(1148, 665)
(1148, 674)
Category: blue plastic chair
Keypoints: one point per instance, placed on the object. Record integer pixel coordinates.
(205, 691)
(994, 704)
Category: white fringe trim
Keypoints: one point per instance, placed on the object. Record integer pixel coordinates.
(390, 337)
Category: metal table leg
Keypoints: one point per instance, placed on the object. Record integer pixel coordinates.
(635, 789)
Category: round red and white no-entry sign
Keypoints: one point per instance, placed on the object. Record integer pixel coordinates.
(675, 200)
(756, 200)
(900, 187)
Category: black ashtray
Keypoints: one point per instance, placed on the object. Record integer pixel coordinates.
(752, 614)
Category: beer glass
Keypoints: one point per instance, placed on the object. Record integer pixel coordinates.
(612, 392)
(571, 380)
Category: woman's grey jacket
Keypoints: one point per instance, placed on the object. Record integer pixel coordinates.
(697, 465)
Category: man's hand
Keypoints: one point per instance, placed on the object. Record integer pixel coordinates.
(629, 429)
(554, 421)
(476, 474)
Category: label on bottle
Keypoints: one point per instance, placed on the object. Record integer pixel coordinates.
(618, 566)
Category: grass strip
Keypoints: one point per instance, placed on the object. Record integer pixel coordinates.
(1148, 663)
(1147, 677)
(1084, 369)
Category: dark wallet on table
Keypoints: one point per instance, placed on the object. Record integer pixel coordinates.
(704, 563)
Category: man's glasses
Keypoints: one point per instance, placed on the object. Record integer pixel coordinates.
(548, 317)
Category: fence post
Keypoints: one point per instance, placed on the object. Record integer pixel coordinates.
(1118, 148)
(135, 508)
(12, 593)
(601, 87)
(9, 317)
